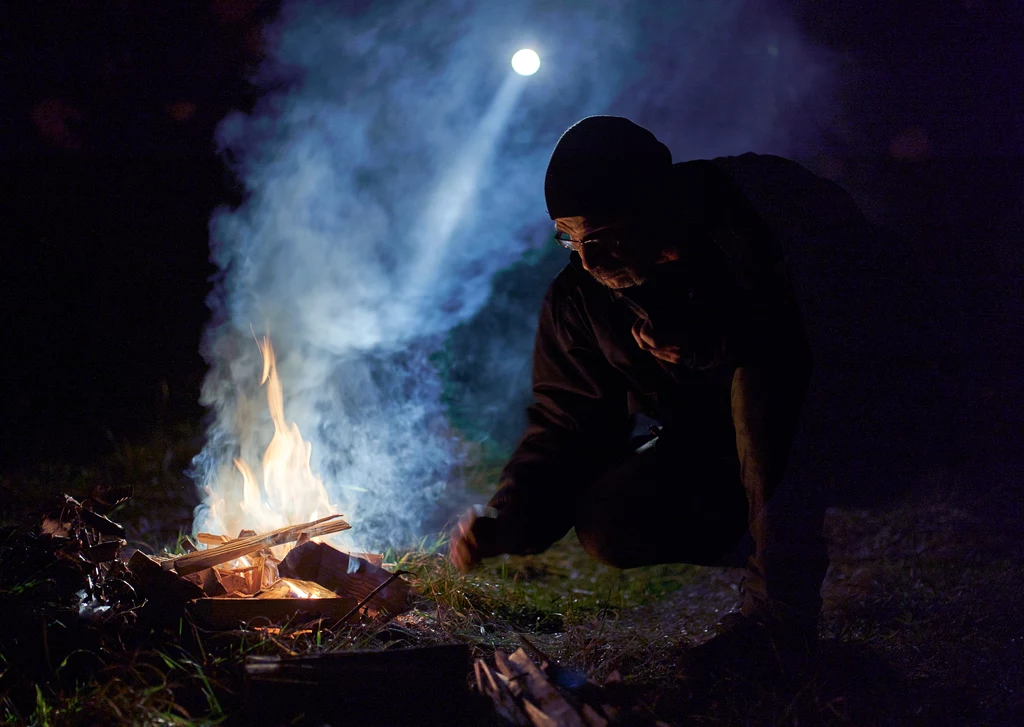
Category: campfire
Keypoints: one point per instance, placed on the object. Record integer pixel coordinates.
(277, 566)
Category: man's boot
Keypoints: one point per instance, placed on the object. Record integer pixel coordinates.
(774, 635)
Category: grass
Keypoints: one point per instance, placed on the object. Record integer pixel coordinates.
(921, 620)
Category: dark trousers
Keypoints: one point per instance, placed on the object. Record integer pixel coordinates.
(683, 501)
(654, 507)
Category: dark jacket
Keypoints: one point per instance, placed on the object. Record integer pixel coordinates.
(732, 306)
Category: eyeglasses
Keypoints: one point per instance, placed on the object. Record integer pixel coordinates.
(563, 239)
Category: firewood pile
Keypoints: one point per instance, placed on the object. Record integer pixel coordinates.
(528, 688)
(250, 577)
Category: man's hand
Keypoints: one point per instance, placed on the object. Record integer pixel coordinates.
(474, 538)
(656, 345)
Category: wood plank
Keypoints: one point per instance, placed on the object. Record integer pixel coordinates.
(227, 613)
(192, 562)
(416, 686)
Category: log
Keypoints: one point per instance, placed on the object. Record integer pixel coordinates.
(192, 562)
(416, 686)
(346, 575)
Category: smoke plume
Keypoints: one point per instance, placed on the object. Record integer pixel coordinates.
(394, 163)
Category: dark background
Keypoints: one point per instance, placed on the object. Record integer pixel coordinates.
(110, 175)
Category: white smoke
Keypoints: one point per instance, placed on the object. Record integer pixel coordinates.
(392, 166)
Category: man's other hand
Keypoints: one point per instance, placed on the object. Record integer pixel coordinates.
(474, 538)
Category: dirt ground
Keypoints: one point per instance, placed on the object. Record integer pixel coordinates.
(923, 623)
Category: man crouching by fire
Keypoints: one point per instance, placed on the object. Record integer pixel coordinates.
(674, 306)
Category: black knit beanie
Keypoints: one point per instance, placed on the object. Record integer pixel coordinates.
(604, 165)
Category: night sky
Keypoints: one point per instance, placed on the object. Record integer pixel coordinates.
(110, 176)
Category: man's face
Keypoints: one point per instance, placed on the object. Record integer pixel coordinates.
(618, 254)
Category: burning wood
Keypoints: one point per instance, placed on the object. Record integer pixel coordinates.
(235, 549)
(314, 581)
(244, 577)
(347, 575)
(295, 588)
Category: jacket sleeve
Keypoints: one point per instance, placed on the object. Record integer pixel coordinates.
(576, 424)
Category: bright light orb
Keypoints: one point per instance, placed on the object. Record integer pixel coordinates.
(525, 62)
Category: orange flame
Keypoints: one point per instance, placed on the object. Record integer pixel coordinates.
(289, 492)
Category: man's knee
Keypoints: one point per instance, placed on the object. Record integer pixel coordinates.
(604, 546)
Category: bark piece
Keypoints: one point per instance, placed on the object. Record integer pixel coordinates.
(233, 611)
